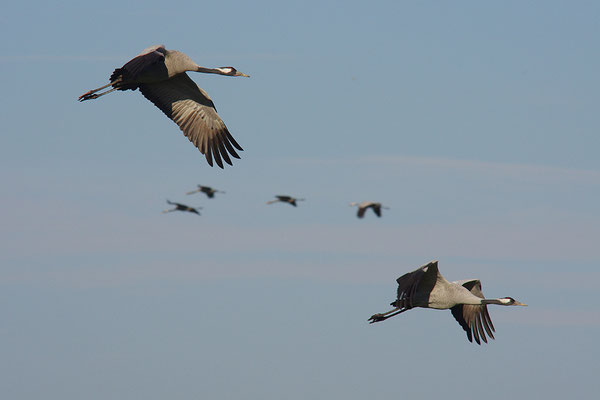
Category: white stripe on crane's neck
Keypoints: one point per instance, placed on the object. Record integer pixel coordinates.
(503, 301)
(225, 70)
(221, 71)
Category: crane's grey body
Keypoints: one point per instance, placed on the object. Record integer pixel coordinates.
(160, 75)
(444, 295)
(365, 205)
(427, 288)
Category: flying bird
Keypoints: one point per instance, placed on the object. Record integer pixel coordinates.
(365, 205)
(427, 288)
(160, 74)
(181, 207)
(285, 199)
(210, 192)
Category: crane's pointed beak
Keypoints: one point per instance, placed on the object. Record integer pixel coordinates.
(518, 303)
(238, 73)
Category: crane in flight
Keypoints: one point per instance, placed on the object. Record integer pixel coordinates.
(365, 205)
(207, 190)
(285, 199)
(181, 207)
(427, 288)
(160, 75)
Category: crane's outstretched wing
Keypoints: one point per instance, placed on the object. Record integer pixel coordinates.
(377, 210)
(474, 319)
(361, 212)
(414, 289)
(147, 59)
(190, 107)
(415, 286)
(207, 190)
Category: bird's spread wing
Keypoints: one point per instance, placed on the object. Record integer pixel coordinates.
(420, 281)
(283, 198)
(377, 210)
(208, 191)
(361, 212)
(157, 48)
(190, 107)
(131, 71)
(474, 319)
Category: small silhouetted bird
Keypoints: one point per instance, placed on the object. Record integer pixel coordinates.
(181, 207)
(207, 190)
(285, 199)
(362, 208)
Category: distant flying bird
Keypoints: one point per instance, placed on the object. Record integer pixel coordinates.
(160, 75)
(181, 207)
(427, 288)
(210, 192)
(362, 208)
(285, 199)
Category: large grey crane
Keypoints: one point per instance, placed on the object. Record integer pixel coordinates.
(285, 199)
(427, 288)
(160, 75)
(181, 207)
(365, 205)
(207, 190)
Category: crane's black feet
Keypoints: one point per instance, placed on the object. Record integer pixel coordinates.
(87, 96)
(377, 318)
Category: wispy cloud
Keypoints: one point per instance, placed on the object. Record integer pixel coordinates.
(121, 251)
(497, 240)
(520, 171)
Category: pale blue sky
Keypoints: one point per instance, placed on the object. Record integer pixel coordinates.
(475, 122)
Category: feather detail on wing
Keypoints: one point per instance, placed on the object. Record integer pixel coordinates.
(474, 319)
(130, 73)
(190, 107)
(421, 280)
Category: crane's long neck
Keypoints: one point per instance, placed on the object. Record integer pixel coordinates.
(502, 302)
(211, 70)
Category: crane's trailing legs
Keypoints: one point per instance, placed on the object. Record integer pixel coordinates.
(384, 316)
(91, 93)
